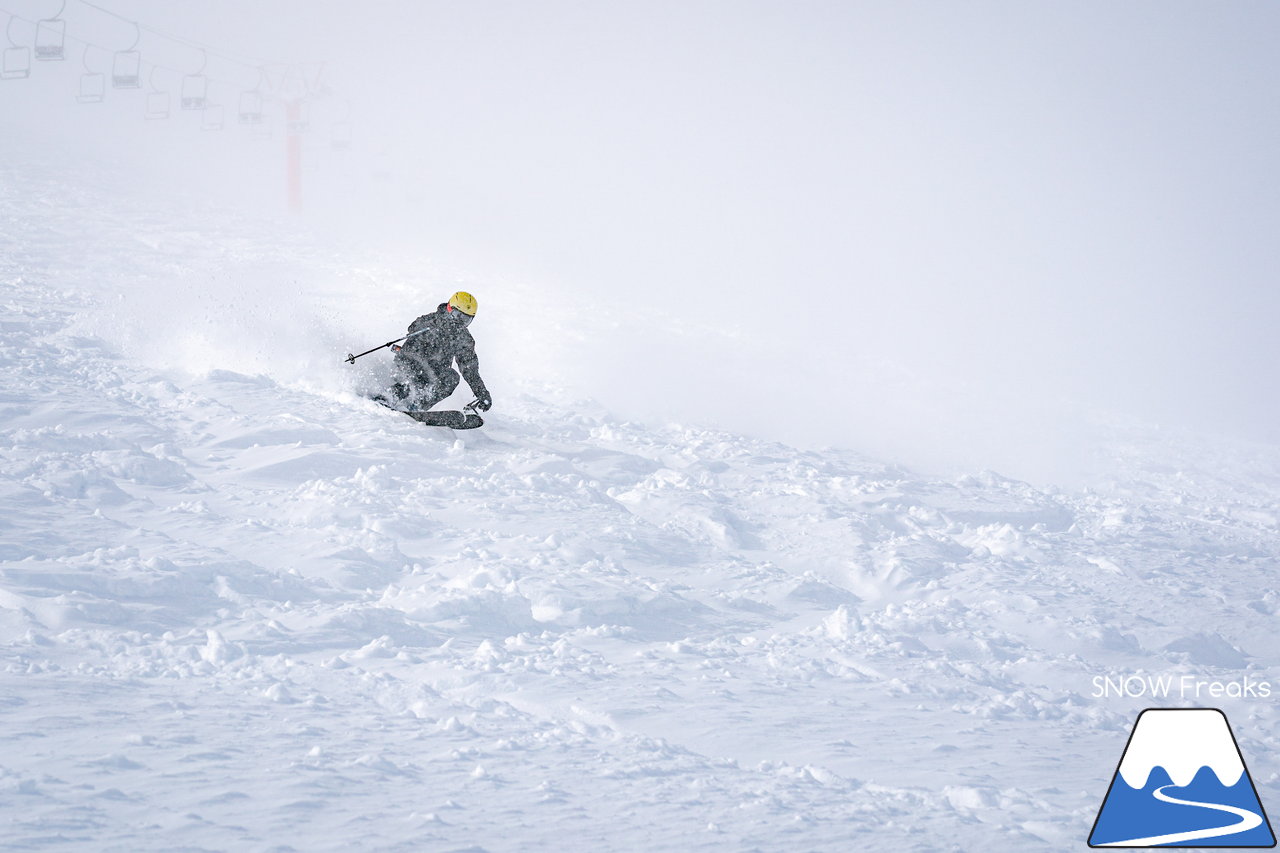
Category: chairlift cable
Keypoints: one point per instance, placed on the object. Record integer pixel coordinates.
(302, 69)
(233, 56)
(310, 74)
(238, 59)
(143, 63)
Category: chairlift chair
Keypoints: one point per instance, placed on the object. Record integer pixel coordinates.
(16, 63)
(341, 136)
(195, 92)
(157, 105)
(93, 88)
(126, 66)
(195, 87)
(157, 99)
(51, 40)
(126, 70)
(211, 117)
(250, 108)
(93, 84)
(299, 119)
(261, 132)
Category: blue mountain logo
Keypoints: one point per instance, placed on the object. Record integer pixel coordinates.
(1182, 782)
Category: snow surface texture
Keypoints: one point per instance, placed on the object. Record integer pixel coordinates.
(242, 608)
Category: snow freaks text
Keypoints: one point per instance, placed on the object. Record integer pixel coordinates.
(1178, 687)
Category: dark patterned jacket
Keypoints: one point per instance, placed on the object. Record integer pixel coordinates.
(436, 341)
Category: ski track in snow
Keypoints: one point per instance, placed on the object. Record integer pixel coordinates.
(238, 612)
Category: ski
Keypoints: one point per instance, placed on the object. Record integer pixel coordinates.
(450, 418)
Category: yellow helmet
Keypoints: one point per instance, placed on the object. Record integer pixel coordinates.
(464, 302)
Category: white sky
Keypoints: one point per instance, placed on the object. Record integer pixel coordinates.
(938, 230)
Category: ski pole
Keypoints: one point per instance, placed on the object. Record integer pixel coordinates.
(351, 359)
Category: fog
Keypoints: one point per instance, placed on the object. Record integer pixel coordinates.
(963, 236)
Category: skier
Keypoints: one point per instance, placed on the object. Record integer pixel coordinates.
(425, 359)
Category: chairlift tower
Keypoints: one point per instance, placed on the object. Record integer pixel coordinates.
(293, 91)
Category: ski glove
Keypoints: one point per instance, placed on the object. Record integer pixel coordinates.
(484, 402)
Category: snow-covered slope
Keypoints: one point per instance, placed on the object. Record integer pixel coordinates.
(242, 608)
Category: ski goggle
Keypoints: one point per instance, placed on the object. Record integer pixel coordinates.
(461, 316)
